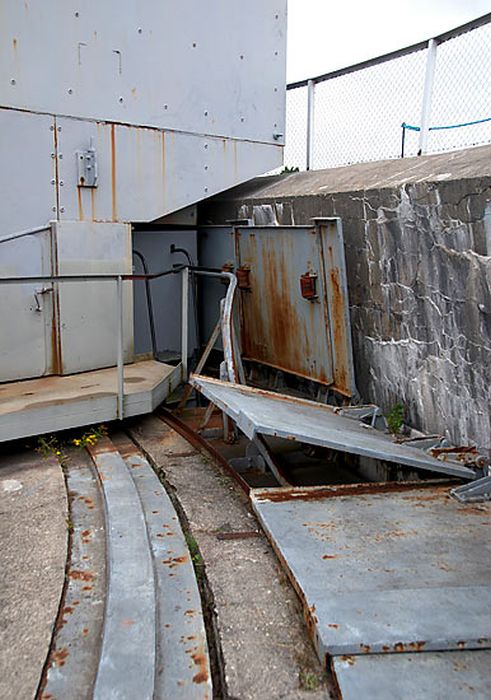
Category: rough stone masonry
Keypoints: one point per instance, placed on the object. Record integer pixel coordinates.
(418, 249)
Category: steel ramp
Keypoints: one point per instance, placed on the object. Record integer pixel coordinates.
(258, 412)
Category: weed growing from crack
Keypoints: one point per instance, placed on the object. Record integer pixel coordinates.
(309, 680)
(196, 557)
(91, 437)
(395, 418)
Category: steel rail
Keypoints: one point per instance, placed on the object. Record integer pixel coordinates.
(419, 46)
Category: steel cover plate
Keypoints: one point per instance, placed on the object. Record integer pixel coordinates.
(267, 413)
(380, 572)
(459, 675)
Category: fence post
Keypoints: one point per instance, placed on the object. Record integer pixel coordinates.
(310, 123)
(427, 95)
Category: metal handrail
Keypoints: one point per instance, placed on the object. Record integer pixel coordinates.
(120, 278)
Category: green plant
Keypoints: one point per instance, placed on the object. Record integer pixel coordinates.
(49, 446)
(395, 418)
(196, 557)
(91, 437)
(309, 680)
(286, 169)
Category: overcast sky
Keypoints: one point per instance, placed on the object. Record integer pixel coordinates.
(324, 35)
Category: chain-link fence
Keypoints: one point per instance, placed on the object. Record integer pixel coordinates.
(433, 96)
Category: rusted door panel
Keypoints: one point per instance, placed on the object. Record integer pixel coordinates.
(279, 326)
(331, 238)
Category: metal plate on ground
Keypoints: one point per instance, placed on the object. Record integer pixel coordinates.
(380, 572)
(459, 675)
(267, 413)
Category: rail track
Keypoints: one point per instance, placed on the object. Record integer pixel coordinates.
(130, 622)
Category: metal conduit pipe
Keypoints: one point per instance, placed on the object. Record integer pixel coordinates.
(174, 249)
(148, 295)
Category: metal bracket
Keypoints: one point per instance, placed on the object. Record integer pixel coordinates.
(86, 168)
(479, 490)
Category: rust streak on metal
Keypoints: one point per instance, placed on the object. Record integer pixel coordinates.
(56, 355)
(113, 174)
(80, 204)
(60, 656)
(338, 329)
(78, 575)
(322, 492)
(92, 204)
(172, 562)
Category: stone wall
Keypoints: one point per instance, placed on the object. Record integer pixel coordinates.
(418, 243)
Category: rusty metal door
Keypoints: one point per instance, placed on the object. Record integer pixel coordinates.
(293, 301)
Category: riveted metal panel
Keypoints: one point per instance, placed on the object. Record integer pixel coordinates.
(86, 316)
(144, 174)
(27, 175)
(205, 67)
(28, 328)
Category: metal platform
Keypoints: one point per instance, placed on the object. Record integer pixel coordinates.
(455, 675)
(49, 404)
(384, 569)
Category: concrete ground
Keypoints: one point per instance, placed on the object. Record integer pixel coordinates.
(262, 648)
(33, 545)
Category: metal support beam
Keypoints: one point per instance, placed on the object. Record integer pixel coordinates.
(120, 360)
(427, 96)
(310, 123)
(185, 323)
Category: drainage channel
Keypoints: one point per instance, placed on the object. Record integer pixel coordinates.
(130, 623)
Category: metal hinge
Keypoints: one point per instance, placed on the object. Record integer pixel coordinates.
(86, 168)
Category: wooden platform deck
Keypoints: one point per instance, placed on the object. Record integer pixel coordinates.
(49, 404)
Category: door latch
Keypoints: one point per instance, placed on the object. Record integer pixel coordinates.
(308, 286)
(38, 294)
